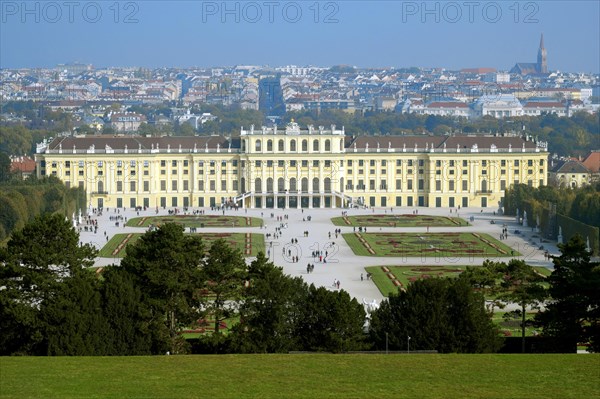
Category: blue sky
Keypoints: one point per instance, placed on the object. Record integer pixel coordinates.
(451, 34)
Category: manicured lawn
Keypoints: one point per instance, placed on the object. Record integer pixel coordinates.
(512, 327)
(197, 221)
(249, 244)
(303, 376)
(391, 220)
(404, 275)
(441, 245)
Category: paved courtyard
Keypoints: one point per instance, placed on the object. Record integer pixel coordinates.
(342, 264)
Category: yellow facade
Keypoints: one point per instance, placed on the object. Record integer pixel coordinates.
(292, 168)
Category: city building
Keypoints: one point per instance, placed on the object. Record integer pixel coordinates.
(570, 173)
(22, 166)
(126, 122)
(293, 168)
(534, 68)
(498, 106)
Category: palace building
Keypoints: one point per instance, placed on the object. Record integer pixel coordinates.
(294, 168)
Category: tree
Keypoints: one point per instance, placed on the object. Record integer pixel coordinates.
(522, 285)
(165, 265)
(269, 311)
(5, 173)
(437, 314)
(573, 314)
(130, 329)
(485, 279)
(75, 322)
(223, 273)
(33, 266)
(330, 321)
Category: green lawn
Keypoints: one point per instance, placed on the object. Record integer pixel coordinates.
(391, 220)
(249, 246)
(512, 327)
(303, 376)
(197, 221)
(440, 245)
(407, 274)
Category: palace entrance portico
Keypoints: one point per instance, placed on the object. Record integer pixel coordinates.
(294, 200)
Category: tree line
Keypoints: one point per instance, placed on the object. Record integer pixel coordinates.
(581, 204)
(573, 136)
(22, 200)
(54, 303)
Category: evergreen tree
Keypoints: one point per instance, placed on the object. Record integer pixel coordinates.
(437, 314)
(330, 321)
(129, 321)
(523, 286)
(573, 314)
(33, 268)
(75, 323)
(165, 265)
(269, 311)
(223, 273)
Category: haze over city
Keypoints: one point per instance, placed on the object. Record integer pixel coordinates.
(451, 35)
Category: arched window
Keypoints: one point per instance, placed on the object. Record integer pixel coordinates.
(304, 145)
(258, 185)
(484, 185)
(315, 186)
(315, 145)
(341, 184)
(280, 185)
(280, 146)
(293, 145)
(269, 145)
(243, 185)
(257, 145)
(293, 185)
(270, 185)
(341, 145)
(100, 186)
(327, 184)
(327, 145)
(304, 185)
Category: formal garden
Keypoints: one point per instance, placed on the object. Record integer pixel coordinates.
(250, 244)
(196, 221)
(405, 220)
(389, 279)
(447, 245)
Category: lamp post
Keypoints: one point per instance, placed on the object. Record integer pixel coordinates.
(408, 345)
(386, 343)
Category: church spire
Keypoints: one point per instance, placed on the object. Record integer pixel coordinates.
(542, 58)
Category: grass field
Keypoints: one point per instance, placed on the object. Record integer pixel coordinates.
(404, 275)
(249, 244)
(440, 245)
(197, 221)
(303, 376)
(391, 220)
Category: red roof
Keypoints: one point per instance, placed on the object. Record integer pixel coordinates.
(22, 164)
(592, 161)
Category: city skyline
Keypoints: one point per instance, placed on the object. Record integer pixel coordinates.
(451, 35)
